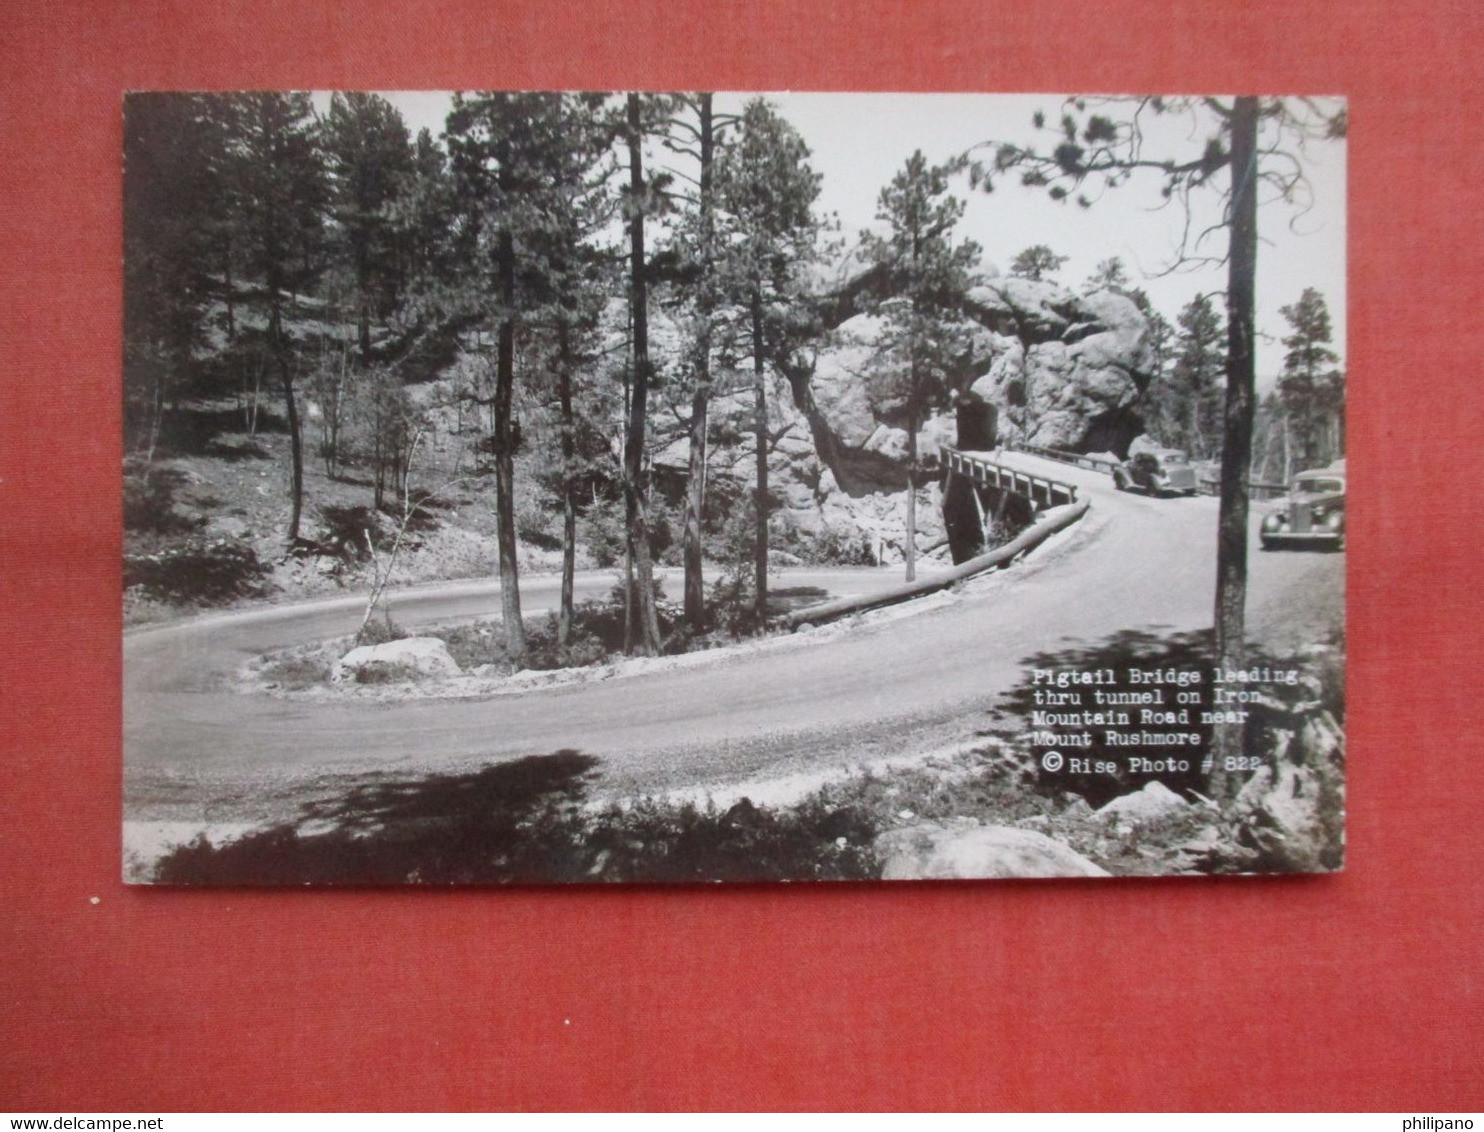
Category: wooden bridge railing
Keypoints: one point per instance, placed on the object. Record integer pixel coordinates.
(1080, 459)
(986, 472)
(1256, 489)
(1207, 483)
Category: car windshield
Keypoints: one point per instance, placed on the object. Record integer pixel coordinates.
(1318, 486)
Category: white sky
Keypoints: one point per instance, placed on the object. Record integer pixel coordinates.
(859, 141)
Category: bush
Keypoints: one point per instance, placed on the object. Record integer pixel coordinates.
(731, 602)
(600, 528)
(380, 630)
(345, 528)
(482, 642)
(199, 571)
(386, 672)
(831, 547)
(659, 841)
(296, 673)
(597, 634)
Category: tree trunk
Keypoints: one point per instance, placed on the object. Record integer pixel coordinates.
(630, 621)
(695, 502)
(363, 332)
(1236, 449)
(695, 494)
(912, 500)
(760, 430)
(296, 449)
(504, 445)
(296, 446)
(230, 298)
(1287, 453)
(637, 493)
(569, 506)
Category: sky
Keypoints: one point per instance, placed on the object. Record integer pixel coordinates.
(858, 141)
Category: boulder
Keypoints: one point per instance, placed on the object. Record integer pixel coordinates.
(427, 656)
(934, 851)
(1156, 800)
(1292, 818)
(1028, 309)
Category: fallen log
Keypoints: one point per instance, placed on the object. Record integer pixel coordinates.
(1046, 525)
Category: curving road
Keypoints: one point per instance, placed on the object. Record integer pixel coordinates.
(196, 753)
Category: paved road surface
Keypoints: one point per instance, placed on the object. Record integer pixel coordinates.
(197, 753)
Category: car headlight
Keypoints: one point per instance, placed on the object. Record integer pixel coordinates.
(1274, 521)
(1335, 521)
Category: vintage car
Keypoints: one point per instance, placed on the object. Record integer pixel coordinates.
(1157, 472)
(1312, 515)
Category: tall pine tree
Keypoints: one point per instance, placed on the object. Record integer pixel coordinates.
(766, 192)
(924, 334)
(502, 147)
(369, 158)
(1312, 386)
(278, 180)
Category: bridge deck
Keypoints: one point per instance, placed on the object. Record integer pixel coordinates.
(1026, 476)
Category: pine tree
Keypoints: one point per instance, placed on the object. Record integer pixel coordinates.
(766, 192)
(1312, 386)
(642, 198)
(1188, 402)
(696, 130)
(370, 159)
(1109, 275)
(174, 202)
(424, 218)
(277, 172)
(502, 147)
(571, 279)
(928, 274)
(1038, 263)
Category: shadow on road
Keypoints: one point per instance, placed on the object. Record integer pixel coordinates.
(526, 822)
(511, 822)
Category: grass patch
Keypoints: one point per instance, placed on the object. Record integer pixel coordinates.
(296, 671)
(597, 633)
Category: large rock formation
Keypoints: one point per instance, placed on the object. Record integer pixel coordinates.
(1043, 366)
(1069, 369)
(1046, 366)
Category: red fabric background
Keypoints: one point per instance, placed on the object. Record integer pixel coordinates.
(1362, 990)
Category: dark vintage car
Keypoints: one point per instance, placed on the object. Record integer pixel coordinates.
(1165, 470)
(1312, 515)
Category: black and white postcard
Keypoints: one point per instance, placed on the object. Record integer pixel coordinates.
(529, 487)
